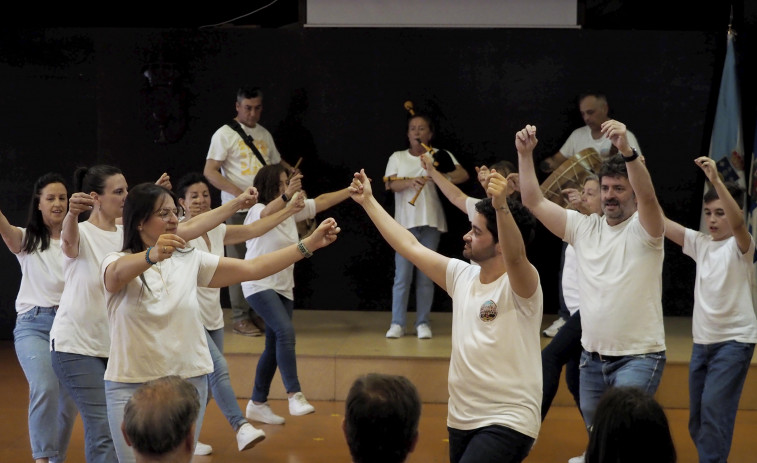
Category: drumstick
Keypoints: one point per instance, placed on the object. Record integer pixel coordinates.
(294, 169)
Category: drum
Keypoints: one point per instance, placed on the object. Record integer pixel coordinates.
(570, 174)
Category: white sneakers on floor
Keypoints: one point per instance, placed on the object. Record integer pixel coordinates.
(551, 332)
(424, 331)
(247, 437)
(203, 449)
(299, 405)
(395, 331)
(262, 413)
(578, 459)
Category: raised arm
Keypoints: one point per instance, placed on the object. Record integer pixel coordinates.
(294, 185)
(650, 212)
(459, 175)
(241, 233)
(200, 224)
(327, 200)
(69, 235)
(447, 187)
(231, 271)
(126, 268)
(212, 172)
(524, 278)
(733, 213)
(12, 235)
(674, 231)
(548, 213)
(434, 265)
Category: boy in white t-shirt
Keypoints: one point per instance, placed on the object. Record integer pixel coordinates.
(724, 325)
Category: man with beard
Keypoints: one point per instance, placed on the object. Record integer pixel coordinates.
(619, 257)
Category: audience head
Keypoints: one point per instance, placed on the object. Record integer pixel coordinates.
(594, 109)
(630, 427)
(159, 419)
(505, 168)
(590, 196)
(381, 418)
(249, 105)
(194, 194)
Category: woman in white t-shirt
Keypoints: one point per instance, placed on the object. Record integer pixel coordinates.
(37, 248)
(273, 297)
(405, 176)
(194, 198)
(151, 297)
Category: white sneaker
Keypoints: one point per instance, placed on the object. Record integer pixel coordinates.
(299, 405)
(203, 449)
(424, 331)
(262, 413)
(551, 332)
(395, 331)
(578, 459)
(248, 437)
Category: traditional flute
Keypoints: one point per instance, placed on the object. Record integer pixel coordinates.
(392, 179)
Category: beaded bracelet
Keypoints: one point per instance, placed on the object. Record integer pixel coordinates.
(147, 257)
(304, 250)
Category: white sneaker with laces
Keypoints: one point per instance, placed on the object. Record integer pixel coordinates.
(248, 436)
(551, 332)
(299, 405)
(395, 331)
(578, 459)
(203, 449)
(424, 331)
(262, 413)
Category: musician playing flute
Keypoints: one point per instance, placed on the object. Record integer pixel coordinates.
(424, 219)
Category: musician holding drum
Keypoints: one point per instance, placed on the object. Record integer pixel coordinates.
(417, 208)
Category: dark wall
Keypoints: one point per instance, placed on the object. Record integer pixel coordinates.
(334, 97)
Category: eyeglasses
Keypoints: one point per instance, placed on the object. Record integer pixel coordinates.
(165, 213)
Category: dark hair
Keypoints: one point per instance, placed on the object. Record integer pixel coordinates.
(613, 167)
(248, 93)
(504, 167)
(188, 180)
(426, 118)
(139, 206)
(88, 179)
(630, 426)
(381, 418)
(267, 182)
(37, 235)
(598, 95)
(522, 216)
(733, 189)
(160, 414)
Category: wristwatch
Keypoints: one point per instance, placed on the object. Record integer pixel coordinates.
(634, 155)
(284, 197)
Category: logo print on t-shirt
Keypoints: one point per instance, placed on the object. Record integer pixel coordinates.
(488, 311)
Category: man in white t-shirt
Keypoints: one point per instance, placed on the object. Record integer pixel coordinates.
(495, 369)
(594, 111)
(619, 257)
(231, 166)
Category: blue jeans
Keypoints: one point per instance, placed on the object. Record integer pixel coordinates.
(564, 349)
(239, 308)
(276, 311)
(51, 410)
(716, 378)
(117, 394)
(599, 373)
(82, 376)
(219, 381)
(403, 278)
(495, 444)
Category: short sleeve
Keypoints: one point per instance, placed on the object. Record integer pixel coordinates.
(218, 146)
(208, 266)
(455, 268)
(392, 167)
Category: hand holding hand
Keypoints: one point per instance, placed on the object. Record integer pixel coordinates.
(573, 197)
(324, 235)
(297, 203)
(80, 202)
(497, 189)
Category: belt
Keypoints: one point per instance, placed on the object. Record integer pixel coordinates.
(604, 358)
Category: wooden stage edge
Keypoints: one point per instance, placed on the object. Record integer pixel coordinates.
(334, 347)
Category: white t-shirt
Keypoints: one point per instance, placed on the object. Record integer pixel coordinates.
(81, 324)
(239, 162)
(495, 368)
(570, 277)
(283, 235)
(41, 277)
(157, 332)
(724, 289)
(581, 139)
(428, 209)
(210, 298)
(470, 207)
(620, 286)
